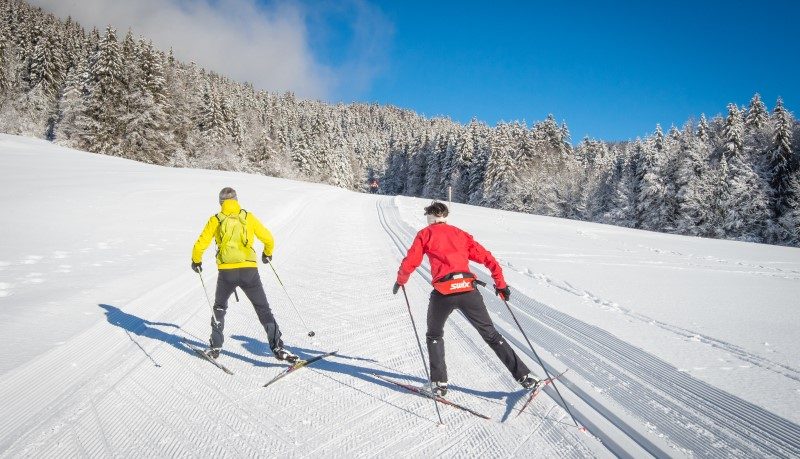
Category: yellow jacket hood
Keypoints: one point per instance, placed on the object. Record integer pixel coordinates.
(230, 207)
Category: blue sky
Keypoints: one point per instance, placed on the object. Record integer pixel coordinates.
(611, 70)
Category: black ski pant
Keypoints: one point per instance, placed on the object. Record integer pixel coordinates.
(249, 281)
(471, 304)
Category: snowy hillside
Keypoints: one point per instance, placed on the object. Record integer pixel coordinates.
(676, 346)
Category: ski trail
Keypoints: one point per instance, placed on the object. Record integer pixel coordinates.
(117, 401)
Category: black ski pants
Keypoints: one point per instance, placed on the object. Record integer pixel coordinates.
(249, 281)
(471, 304)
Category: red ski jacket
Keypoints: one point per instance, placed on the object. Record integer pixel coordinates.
(449, 250)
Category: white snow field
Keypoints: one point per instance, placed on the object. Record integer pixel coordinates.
(676, 346)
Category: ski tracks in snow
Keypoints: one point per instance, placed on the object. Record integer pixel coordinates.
(640, 395)
(685, 333)
(127, 387)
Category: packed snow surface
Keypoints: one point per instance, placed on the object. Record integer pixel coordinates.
(676, 346)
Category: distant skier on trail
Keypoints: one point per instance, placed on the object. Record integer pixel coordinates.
(449, 251)
(373, 185)
(234, 230)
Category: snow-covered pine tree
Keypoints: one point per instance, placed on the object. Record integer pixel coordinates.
(651, 211)
(693, 186)
(418, 166)
(733, 133)
(757, 136)
(212, 123)
(670, 164)
(4, 83)
(622, 208)
(702, 130)
(449, 163)
(747, 211)
(717, 214)
(148, 135)
(480, 138)
(464, 154)
(500, 173)
(757, 115)
(789, 221)
(46, 67)
(607, 172)
(780, 164)
(104, 106)
(394, 179)
(433, 174)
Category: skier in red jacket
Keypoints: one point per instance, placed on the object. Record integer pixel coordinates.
(449, 251)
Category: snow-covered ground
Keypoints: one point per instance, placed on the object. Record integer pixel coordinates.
(676, 346)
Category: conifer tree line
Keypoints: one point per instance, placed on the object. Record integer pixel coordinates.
(735, 175)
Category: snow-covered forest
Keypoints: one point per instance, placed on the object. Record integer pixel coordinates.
(735, 175)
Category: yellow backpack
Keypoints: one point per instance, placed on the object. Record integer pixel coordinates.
(232, 242)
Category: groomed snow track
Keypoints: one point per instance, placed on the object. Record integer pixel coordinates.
(126, 387)
(634, 402)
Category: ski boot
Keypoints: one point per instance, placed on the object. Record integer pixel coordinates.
(530, 382)
(283, 354)
(212, 352)
(439, 388)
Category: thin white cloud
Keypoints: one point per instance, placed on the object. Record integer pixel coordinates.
(265, 45)
(365, 42)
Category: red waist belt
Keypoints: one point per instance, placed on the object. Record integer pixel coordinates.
(456, 283)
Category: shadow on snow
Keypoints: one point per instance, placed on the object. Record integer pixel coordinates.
(134, 325)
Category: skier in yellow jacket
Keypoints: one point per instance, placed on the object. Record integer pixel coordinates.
(234, 230)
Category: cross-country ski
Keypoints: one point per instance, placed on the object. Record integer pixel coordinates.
(539, 387)
(299, 364)
(427, 393)
(203, 354)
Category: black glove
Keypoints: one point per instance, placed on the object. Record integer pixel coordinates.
(197, 267)
(395, 288)
(266, 258)
(505, 292)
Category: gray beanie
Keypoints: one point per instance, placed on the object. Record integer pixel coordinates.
(226, 193)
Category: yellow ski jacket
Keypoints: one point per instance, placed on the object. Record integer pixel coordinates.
(254, 227)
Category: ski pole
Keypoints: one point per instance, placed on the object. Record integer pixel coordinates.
(210, 306)
(311, 332)
(421, 354)
(566, 407)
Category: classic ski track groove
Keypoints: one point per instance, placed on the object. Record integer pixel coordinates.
(782, 369)
(687, 395)
(699, 403)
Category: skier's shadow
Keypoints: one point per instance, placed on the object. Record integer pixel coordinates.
(365, 373)
(135, 325)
